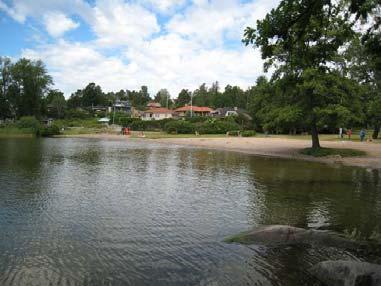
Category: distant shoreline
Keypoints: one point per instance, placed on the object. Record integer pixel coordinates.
(270, 147)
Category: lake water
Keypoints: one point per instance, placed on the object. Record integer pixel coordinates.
(96, 212)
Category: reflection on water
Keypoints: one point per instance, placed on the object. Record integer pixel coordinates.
(92, 212)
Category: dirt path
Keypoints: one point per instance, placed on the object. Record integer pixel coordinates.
(272, 147)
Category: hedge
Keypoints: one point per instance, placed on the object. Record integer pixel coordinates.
(248, 133)
(179, 127)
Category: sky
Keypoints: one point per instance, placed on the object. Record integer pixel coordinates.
(121, 44)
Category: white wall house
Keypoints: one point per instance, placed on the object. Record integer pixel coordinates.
(157, 114)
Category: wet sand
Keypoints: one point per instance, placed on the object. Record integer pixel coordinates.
(271, 147)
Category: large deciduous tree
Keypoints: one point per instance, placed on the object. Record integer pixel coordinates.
(300, 39)
(30, 82)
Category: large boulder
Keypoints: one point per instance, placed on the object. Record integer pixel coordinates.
(276, 235)
(347, 273)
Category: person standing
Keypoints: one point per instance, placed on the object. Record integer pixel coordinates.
(341, 132)
(349, 133)
(362, 134)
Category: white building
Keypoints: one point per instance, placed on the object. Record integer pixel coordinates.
(157, 114)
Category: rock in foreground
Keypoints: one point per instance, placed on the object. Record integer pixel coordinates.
(276, 235)
(347, 273)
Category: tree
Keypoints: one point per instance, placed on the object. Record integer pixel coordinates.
(30, 81)
(200, 96)
(6, 107)
(363, 64)
(301, 39)
(92, 95)
(183, 98)
(164, 98)
(56, 103)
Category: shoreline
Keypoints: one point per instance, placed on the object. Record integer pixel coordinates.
(284, 148)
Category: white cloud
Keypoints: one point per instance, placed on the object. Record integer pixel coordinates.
(166, 62)
(57, 24)
(211, 22)
(20, 10)
(164, 6)
(200, 44)
(120, 23)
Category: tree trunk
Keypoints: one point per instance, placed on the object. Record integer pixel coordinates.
(375, 132)
(315, 136)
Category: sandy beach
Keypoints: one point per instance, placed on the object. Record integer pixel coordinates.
(271, 147)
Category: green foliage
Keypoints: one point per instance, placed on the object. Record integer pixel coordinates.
(76, 122)
(56, 104)
(150, 125)
(77, 114)
(322, 152)
(234, 133)
(50, 131)
(196, 119)
(29, 122)
(127, 121)
(214, 126)
(163, 97)
(179, 127)
(183, 98)
(248, 133)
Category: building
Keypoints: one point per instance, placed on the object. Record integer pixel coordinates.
(122, 106)
(194, 110)
(100, 108)
(152, 104)
(228, 111)
(157, 114)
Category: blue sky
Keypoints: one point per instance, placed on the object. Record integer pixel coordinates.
(121, 44)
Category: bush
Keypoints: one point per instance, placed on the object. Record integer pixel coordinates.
(248, 133)
(234, 133)
(50, 131)
(77, 114)
(151, 125)
(217, 127)
(127, 121)
(29, 122)
(179, 127)
(196, 119)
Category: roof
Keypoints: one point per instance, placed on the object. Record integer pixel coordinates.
(158, 110)
(154, 104)
(194, 109)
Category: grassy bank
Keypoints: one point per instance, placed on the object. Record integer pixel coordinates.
(16, 132)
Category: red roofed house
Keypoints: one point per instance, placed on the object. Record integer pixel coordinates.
(157, 113)
(195, 110)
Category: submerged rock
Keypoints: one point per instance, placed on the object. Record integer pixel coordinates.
(347, 273)
(274, 235)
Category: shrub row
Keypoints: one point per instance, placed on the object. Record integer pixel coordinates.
(211, 126)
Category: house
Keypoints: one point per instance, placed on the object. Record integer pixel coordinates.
(152, 104)
(122, 106)
(157, 114)
(229, 111)
(47, 121)
(100, 108)
(194, 110)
